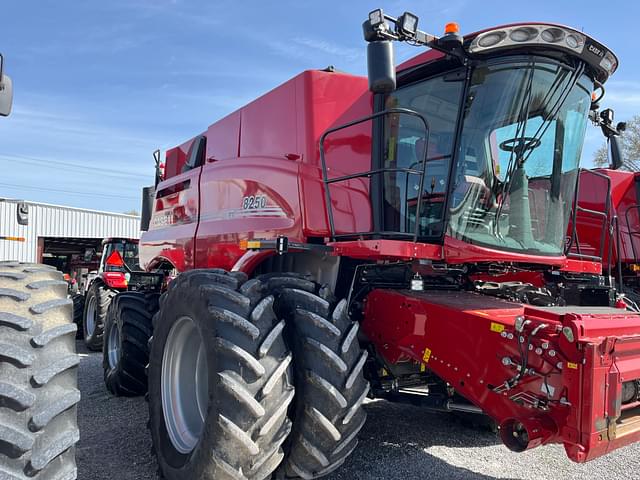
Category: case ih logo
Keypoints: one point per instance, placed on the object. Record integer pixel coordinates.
(596, 51)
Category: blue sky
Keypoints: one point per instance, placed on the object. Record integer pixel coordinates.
(100, 84)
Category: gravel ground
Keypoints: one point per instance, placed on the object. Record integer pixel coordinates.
(398, 442)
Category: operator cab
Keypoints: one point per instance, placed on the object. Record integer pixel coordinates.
(512, 180)
(478, 140)
(120, 255)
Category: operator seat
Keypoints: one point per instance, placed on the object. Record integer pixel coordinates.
(397, 190)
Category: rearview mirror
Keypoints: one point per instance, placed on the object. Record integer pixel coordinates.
(616, 155)
(381, 66)
(6, 95)
(148, 196)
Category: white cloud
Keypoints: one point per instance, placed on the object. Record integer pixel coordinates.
(305, 48)
(426, 10)
(350, 54)
(624, 97)
(223, 101)
(627, 98)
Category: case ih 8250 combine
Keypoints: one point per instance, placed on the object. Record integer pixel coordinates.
(406, 239)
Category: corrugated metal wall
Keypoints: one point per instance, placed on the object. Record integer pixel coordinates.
(57, 221)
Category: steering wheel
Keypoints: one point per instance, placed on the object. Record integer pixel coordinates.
(520, 145)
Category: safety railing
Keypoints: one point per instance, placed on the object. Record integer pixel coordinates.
(610, 228)
(576, 209)
(371, 174)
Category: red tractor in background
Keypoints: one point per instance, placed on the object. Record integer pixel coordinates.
(400, 237)
(118, 271)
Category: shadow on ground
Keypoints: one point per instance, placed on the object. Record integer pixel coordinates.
(395, 441)
(115, 443)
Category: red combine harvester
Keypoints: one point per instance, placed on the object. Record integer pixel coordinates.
(608, 226)
(402, 237)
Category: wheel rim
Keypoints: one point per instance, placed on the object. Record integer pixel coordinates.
(184, 385)
(91, 316)
(113, 347)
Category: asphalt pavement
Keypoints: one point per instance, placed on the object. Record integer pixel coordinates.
(398, 442)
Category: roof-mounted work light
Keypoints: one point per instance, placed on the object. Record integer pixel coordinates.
(405, 28)
(376, 18)
(380, 35)
(407, 25)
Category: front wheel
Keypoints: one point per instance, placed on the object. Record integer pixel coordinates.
(220, 380)
(126, 342)
(95, 313)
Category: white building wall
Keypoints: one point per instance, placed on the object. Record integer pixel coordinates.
(58, 221)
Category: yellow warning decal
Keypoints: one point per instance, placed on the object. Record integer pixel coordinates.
(423, 367)
(13, 239)
(496, 327)
(572, 365)
(426, 356)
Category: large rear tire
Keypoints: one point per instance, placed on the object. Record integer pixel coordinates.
(38, 375)
(220, 380)
(96, 305)
(330, 386)
(127, 332)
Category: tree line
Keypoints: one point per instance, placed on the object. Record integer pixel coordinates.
(629, 145)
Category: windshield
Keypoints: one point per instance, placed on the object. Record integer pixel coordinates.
(524, 125)
(128, 252)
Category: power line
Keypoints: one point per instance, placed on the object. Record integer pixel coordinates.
(78, 170)
(82, 169)
(69, 192)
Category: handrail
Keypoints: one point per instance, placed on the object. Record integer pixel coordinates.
(328, 181)
(611, 226)
(606, 215)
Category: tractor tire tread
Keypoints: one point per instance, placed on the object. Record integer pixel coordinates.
(254, 390)
(38, 375)
(78, 312)
(330, 386)
(104, 295)
(131, 313)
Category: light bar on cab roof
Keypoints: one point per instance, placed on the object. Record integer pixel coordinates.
(546, 36)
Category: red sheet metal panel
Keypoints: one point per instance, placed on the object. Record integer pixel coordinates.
(577, 359)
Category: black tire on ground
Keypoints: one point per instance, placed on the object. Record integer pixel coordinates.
(78, 313)
(127, 332)
(249, 378)
(330, 386)
(98, 298)
(38, 375)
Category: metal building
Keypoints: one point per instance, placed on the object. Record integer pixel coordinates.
(55, 230)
